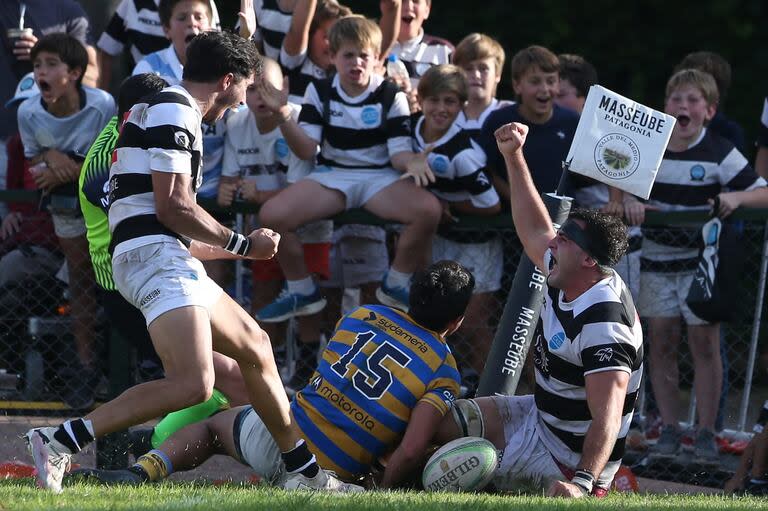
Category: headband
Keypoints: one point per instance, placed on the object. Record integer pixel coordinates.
(585, 241)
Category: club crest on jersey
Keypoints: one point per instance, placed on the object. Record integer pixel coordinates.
(370, 115)
(697, 173)
(604, 354)
(181, 139)
(556, 341)
(439, 164)
(281, 148)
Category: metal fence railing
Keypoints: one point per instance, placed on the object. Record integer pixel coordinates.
(42, 339)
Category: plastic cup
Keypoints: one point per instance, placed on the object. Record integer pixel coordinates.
(14, 34)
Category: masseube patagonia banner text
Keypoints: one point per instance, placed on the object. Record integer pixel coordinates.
(619, 142)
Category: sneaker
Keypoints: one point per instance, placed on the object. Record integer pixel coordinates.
(324, 480)
(288, 305)
(123, 476)
(300, 378)
(668, 443)
(755, 489)
(52, 459)
(705, 448)
(653, 425)
(393, 296)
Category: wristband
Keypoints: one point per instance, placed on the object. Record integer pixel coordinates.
(584, 480)
(237, 244)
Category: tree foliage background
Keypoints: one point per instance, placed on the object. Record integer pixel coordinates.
(633, 45)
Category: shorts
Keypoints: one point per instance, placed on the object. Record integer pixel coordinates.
(628, 269)
(662, 295)
(68, 226)
(484, 260)
(316, 257)
(358, 186)
(163, 276)
(256, 448)
(357, 261)
(526, 460)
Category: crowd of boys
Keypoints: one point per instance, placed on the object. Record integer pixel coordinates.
(322, 128)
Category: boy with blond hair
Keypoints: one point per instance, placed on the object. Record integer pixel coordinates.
(697, 166)
(482, 59)
(462, 186)
(535, 80)
(360, 123)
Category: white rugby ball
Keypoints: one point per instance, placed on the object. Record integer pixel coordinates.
(464, 464)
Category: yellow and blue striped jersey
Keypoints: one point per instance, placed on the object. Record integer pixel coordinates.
(377, 367)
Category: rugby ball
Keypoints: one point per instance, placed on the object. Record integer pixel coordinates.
(464, 464)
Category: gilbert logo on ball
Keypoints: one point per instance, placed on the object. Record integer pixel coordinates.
(464, 464)
(619, 142)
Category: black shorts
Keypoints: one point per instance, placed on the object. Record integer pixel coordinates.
(130, 323)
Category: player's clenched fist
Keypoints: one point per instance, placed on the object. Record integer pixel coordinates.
(511, 137)
(264, 244)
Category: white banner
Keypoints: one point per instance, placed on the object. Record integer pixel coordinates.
(619, 142)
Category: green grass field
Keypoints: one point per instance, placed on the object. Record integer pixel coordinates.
(22, 495)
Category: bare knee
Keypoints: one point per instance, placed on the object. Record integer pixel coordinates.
(195, 390)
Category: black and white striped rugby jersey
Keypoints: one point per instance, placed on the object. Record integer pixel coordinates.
(598, 331)
(360, 132)
(136, 24)
(421, 53)
(273, 23)
(301, 71)
(685, 181)
(161, 134)
(458, 163)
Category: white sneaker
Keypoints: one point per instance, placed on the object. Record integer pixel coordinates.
(52, 459)
(324, 480)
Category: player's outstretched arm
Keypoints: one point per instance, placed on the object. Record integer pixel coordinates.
(532, 222)
(606, 392)
(422, 426)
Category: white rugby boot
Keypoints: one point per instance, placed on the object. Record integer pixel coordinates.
(325, 480)
(52, 459)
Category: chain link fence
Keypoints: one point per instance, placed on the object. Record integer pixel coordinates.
(57, 354)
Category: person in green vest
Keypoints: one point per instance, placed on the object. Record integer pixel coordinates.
(123, 317)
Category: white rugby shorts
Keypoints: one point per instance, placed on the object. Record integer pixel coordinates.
(160, 277)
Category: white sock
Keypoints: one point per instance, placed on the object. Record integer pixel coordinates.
(398, 279)
(305, 286)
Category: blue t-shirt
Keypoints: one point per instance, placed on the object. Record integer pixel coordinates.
(545, 148)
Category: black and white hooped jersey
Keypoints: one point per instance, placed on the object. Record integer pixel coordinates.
(458, 163)
(421, 53)
(686, 180)
(473, 126)
(161, 134)
(301, 71)
(136, 24)
(273, 24)
(762, 134)
(361, 132)
(598, 331)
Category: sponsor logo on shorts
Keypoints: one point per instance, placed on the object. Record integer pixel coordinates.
(150, 296)
(370, 115)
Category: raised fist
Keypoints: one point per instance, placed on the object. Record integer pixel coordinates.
(264, 244)
(511, 137)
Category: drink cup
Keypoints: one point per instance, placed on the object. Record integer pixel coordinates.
(14, 34)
